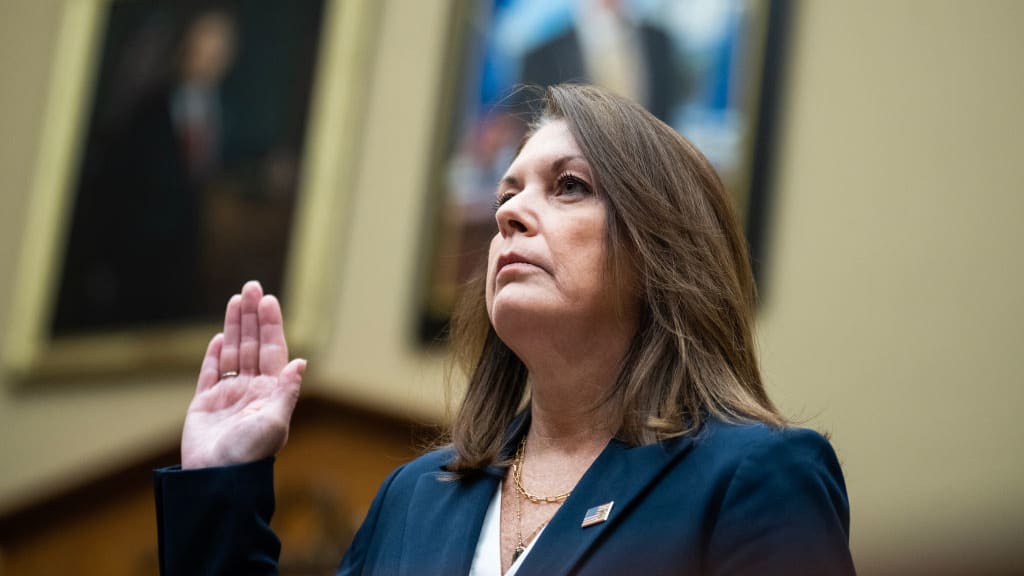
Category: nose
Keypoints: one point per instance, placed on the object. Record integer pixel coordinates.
(516, 216)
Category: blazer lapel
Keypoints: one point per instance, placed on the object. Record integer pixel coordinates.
(620, 474)
(444, 522)
(446, 516)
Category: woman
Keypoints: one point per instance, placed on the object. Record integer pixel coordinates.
(615, 420)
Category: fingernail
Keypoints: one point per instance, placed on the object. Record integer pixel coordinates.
(302, 367)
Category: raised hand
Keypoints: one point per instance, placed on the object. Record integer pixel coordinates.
(247, 388)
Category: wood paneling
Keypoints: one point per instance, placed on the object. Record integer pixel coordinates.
(325, 480)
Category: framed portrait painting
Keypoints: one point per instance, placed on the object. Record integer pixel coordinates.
(708, 68)
(185, 151)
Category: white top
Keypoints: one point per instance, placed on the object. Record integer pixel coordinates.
(487, 558)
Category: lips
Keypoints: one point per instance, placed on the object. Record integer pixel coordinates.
(509, 258)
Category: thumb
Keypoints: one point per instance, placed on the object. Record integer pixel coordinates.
(286, 396)
(290, 380)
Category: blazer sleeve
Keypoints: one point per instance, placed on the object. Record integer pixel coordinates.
(785, 511)
(216, 520)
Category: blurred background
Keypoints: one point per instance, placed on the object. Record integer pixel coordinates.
(890, 271)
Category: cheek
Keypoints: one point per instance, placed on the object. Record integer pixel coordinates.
(586, 254)
(586, 245)
(492, 256)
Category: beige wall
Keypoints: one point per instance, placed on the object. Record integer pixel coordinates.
(890, 317)
(893, 316)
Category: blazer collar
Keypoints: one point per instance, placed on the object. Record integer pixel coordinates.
(446, 517)
(620, 474)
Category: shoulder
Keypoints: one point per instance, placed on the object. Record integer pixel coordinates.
(774, 462)
(780, 495)
(432, 461)
(782, 505)
(655, 33)
(396, 491)
(404, 478)
(755, 464)
(735, 443)
(755, 433)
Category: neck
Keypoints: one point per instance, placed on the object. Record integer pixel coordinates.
(571, 408)
(573, 363)
(571, 424)
(567, 409)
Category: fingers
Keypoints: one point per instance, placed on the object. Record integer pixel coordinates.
(209, 372)
(232, 333)
(273, 348)
(253, 340)
(249, 340)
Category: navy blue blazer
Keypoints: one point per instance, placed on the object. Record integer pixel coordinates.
(730, 500)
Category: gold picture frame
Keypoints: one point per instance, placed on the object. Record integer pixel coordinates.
(330, 150)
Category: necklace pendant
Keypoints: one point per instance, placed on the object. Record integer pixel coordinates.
(518, 552)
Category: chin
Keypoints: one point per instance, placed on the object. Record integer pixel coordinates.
(512, 313)
(521, 314)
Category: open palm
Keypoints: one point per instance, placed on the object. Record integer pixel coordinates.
(247, 388)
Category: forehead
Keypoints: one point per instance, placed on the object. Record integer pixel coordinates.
(552, 142)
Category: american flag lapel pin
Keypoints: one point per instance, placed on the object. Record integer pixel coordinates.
(597, 514)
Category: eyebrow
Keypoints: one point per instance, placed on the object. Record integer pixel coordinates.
(556, 166)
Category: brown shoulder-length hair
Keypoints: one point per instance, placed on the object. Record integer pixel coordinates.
(693, 353)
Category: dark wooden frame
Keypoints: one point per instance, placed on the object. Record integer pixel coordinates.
(773, 18)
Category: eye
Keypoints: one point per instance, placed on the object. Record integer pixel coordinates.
(502, 198)
(569, 183)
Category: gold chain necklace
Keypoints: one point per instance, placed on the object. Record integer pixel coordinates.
(517, 479)
(521, 546)
(521, 492)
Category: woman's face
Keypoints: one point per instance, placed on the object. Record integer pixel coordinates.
(548, 260)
